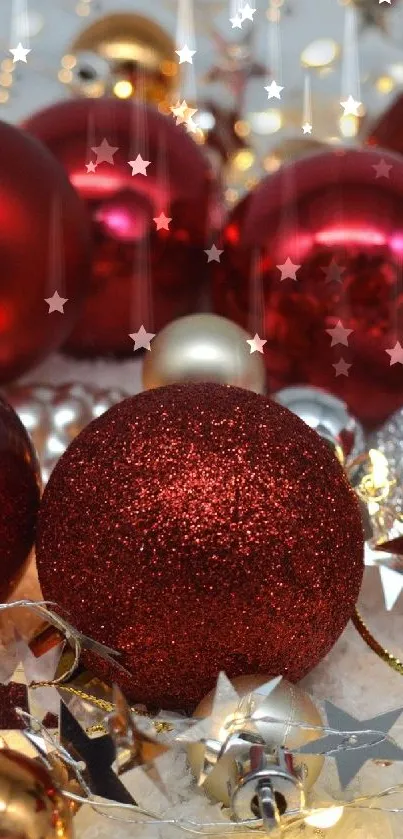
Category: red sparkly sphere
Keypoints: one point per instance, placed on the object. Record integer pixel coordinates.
(140, 274)
(321, 243)
(44, 248)
(387, 132)
(198, 528)
(19, 498)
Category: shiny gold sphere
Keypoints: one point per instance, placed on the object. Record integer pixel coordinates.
(203, 348)
(287, 703)
(123, 55)
(30, 805)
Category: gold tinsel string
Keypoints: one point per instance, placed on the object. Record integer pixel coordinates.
(108, 708)
(374, 645)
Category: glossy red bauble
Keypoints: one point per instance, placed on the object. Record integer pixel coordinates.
(19, 498)
(140, 274)
(321, 244)
(201, 528)
(44, 247)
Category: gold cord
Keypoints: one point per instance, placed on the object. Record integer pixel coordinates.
(108, 707)
(374, 645)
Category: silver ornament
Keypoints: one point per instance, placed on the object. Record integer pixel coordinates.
(53, 416)
(328, 416)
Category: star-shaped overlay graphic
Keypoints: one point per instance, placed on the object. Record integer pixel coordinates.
(243, 14)
(185, 55)
(91, 166)
(368, 741)
(382, 169)
(142, 339)
(339, 334)
(19, 53)
(396, 354)
(56, 303)
(333, 272)
(162, 221)
(139, 165)
(105, 152)
(184, 115)
(307, 128)
(213, 254)
(342, 368)
(256, 344)
(351, 107)
(288, 270)
(274, 90)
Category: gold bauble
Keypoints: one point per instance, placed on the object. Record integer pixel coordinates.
(203, 348)
(30, 805)
(287, 703)
(124, 55)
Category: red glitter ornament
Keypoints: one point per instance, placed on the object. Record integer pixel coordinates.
(140, 274)
(19, 498)
(201, 528)
(387, 132)
(44, 247)
(321, 242)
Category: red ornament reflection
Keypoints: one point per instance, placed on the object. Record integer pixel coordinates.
(139, 274)
(342, 228)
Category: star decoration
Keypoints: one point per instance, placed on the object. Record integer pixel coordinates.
(390, 567)
(162, 221)
(213, 254)
(274, 90)
(19, 54)
(236, 22)
(288, 270)
(256, 344)
(142, 339)
(396, 354)
(105, 152)
(333, 272)
(91, 166)
(382, 169)
(42, 700)
(341, 368)
(307, 128)
(182, 112)
(351, 107)
(129, 740)
(56, 303)
(339, 334)
(139, 165)
(351, 753)
(211, 731)
(247, 12)
(185, 55)
(236, 65)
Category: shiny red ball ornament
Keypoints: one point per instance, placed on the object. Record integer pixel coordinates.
(387, 132)
(321, 243)
(19, 498)
(201, 528)
(140, 274)
(44, 248)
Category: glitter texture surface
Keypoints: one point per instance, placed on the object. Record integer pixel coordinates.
(199, 528)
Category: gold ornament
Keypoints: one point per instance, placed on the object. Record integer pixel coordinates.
(203, 348)
(123, 55)
(287, 703)
(30, 805)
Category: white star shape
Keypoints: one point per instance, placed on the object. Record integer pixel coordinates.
(382, 169)
(288, 270)
(339, 334)
(162, 221)
(351, 107)
(139, 165)
(256, 344)
(333, 272)
(307, 128)
(274, 90)
(396, 354)
(56, 303)
(91, 166)
(247, 12)
(142, 339)
(236, 22)
(19, 53)
(341, 368)
(185, 55)
(213, 254)
(182, 112)
(105, 152)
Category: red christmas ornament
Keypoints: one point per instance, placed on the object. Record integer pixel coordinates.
(141, 274)
(321, 243)
(201, 528)
(19, 498)
(43, 248)
(387, 132)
